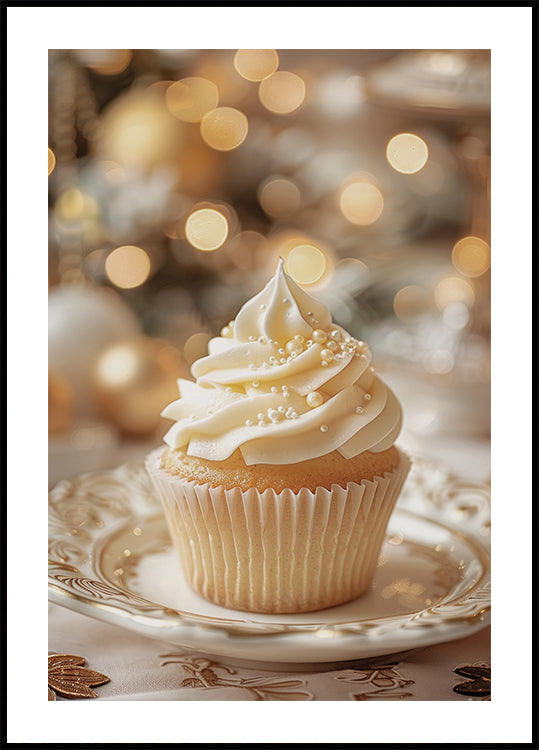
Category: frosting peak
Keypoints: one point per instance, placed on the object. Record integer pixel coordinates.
(283, 384)
(280, 311)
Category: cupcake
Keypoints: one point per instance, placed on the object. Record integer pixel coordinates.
(280, 473)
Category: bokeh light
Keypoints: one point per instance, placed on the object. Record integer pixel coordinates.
(191, 98)
(407, 153)
(282, 92)
(256, 64)
(139, 132)
(453, 289)
(410, 301)
(118, 364)
(279, 197)
(206, 229)
(471, 256)
(75, 209)
(106, 62)
(52, 160)
(128, 266)
(196, 347)
(305, 263)
(361, 202)
(224, 128)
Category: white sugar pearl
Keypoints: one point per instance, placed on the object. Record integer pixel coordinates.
(319, 336)
(323, 428)
(314, 399)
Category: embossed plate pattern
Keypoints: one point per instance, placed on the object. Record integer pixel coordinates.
(110, 557)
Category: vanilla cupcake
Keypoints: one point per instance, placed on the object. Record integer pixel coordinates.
(280, 472)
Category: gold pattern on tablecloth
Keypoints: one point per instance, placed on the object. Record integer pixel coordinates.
(388, 684)
(203, 673)
(69, 678)
(479, 684)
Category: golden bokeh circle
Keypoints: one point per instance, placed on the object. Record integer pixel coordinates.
(471, 256)
(453, 289)
(206, 229)
(224, 128)
(256, 64)
(282, 92)
(52, 160)
(128, 266)
(407, 153)
(111, 62)
(361, 203)
(306, 264)
(191, 98)
(279, 197)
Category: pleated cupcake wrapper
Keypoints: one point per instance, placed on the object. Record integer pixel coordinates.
(278, 552)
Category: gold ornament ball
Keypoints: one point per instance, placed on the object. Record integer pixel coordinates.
(60, 403)
(133, 380)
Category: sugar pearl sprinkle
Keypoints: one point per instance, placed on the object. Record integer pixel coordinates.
(314, 399)
(323, 428)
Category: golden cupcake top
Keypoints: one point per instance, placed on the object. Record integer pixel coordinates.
(283, 384)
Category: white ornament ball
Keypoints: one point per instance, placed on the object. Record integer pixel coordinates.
(83, 321)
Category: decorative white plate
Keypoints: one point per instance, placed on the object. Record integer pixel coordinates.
(110, 557)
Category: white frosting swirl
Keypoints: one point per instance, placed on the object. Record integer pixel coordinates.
(283, 384)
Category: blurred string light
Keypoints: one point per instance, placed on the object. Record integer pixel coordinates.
(282, 92)
(206, 229)
(224, 128)
(279, 197)
(128, 266)
(471, 256)
(52, 160)
(407, 153)
(361, 201)
(107, 62)
(453, 289)
(191, 98)
(256, 64)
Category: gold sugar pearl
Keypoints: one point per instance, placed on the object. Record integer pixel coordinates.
(314, 399)
(319, 336)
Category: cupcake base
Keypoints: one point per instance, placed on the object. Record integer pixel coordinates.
(278, 552)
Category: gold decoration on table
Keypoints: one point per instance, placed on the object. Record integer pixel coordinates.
(133, 380)
(383, 677)
(203, 673)
(479, 683)
(69, 677)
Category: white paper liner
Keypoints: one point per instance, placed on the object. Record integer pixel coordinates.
(278, 552)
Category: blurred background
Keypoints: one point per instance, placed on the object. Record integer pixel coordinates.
(178, 177)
